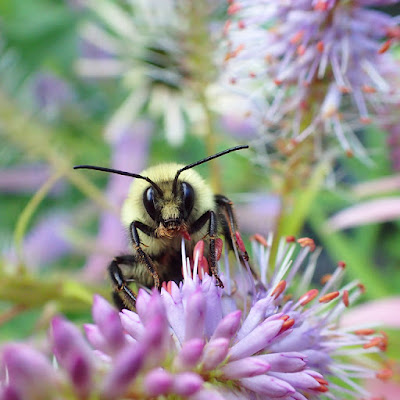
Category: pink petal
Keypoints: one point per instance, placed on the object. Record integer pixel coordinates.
(373, 211)
(385, 311)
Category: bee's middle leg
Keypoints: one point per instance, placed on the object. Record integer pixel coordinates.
(123, 295)
(135, 225)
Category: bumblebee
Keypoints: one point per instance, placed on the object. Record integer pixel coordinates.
(166, 203)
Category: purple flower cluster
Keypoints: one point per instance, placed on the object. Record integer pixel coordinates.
(313, 66)
(256, 339)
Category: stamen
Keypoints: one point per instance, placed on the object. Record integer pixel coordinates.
(279, 289)
(233, 8)
(374, 342)
(361, 287)
(385, 374)
(296, 38)
(328, 297)
(260, 239)
(320, 46)
(290, 239)
(385, 46)
(307, 242)
(309, 296)
(287, 325)
(322, 389)
(325, 278)
(322, 381)
(364, 332)
(345, 298)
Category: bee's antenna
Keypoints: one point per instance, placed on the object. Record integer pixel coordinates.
(204, 160)
(117, 171)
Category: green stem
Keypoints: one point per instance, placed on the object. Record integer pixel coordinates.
(30, 208)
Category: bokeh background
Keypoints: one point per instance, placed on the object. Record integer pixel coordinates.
(127, 84)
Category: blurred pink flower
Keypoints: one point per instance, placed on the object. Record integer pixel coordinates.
(385, 311)
(26, 178)
(373, 211)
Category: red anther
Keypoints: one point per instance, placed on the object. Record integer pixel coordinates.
(301, 50)
(284, 317)
(344, 89)
(241, 24)
(233, 8)
(234, 53)
(232, 81)
(384, 342)
(227, 26)
(320, 46)
(361, 287)
(252, 75)
(365, 120)
(278, 82)
(309, 296)
(305, 241)
(260, 239)
(322, 381)
(364, 332)
(385, 374)
(345, 298)
(325, 278)
(322, 389)
(296, 38)
(349, 153)
(341, 264)
(279, 289)
(328, 297)
(218, 248)
(287, 297)
(198, 250)
(240, 242)
(290, 239)
(321, 5)
(376, 341)
(286, 325)
(368, 89)
(393, 32)
(385, 46)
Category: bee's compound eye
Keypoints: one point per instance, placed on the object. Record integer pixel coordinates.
(188, 199)
(148, 201)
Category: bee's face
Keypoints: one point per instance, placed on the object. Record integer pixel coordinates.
(171, 210)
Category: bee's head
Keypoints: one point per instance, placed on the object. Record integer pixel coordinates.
(171, 208)
(172, 195)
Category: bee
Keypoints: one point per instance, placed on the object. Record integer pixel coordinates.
(166, 203)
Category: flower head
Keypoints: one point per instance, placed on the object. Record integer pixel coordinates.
(315, 66)
(154, 48)
(273, 338)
